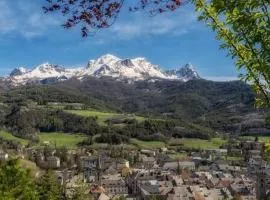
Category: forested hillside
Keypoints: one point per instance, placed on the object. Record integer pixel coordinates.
(197, 108)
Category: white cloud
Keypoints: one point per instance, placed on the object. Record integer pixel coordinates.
(222, 78)
(30, 34)
(175, 24)
(25, 18)
(7, 23)
(41, 21)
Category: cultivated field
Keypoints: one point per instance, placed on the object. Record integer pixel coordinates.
(197, 143)
(103, 116)
(184, 142)
(71, 141)
(261, 138)
(147, 144)
(8, 136)
(61, 139)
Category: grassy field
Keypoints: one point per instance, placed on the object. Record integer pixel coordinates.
(62, 139)
(71, 141)
(261, 138)
(233, 158)
(103, 116)
(147, 144)
(197, 143)
(8, 136)
(178, 155)
(35, 171)
(186, 142)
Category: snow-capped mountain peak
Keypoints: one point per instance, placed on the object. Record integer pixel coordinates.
(189, 72)
(107, 58)
(18, 71)
(190, 66)
(107, 65)
(46, 70)
(186, 73)
(127, 62)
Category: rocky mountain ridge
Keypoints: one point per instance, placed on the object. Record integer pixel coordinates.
(106, 65)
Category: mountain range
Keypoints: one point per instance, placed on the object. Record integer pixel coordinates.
(178, 94)
(106, 65)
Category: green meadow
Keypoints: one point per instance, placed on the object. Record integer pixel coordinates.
(197, 143)
(261, 138)
(71, 141)
(147, 144)
(103, 116)
(185, 142)
(8, 136)
(61, 139)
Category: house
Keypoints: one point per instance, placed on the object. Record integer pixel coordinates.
(235, 152)
(217, 152)
(150, 191)
(164, 149)
(187, 165)
(30, 153)
(179, 165)
(111, 170)
(115, 186)
(144, 177)
(204, 175)
(123, 163)
(92, 166)
(204, 168)
(64, 176)
(103, 196)
(162, 158)
(3, 156)
(251, 145)
(252, 162)
(90, 162)
(223, 167)
(53, 162)
(40, 159)
(237, 188)
(177, 180)
(250, 149)
(170, 166)
(198, 160)
(97, 191)
(148, 152)
(181, 192)
(148, 162)
(263, 184)
(223, 183)
(215, 194)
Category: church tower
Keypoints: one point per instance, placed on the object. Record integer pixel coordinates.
(98, 170)
(260, 185)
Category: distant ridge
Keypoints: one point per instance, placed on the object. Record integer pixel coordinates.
(106, 65)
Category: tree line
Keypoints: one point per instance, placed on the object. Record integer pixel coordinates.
(27, 123)
(19, 183)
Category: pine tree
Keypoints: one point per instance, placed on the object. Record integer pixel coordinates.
(16, 182)
(48, 187)
(80, 192)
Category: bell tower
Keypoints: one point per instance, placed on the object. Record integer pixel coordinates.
(260, 185)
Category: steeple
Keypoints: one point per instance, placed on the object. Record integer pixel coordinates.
(260, 185)
(99, 169)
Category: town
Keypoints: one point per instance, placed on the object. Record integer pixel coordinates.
(145, 174)
(135, 100)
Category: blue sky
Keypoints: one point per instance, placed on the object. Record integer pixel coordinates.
(28, 38)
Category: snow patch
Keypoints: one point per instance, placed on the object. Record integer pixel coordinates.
(106, 65)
